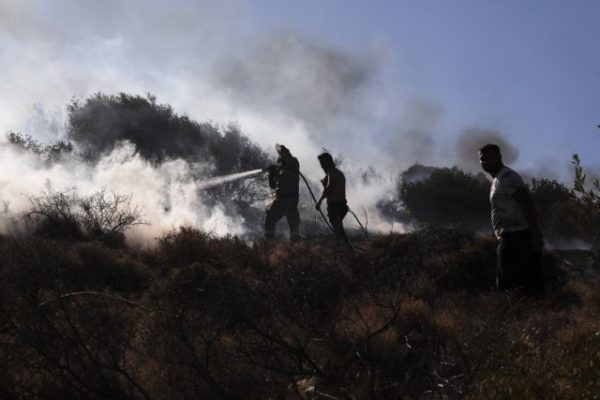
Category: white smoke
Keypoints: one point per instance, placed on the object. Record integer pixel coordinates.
(205, 60)
(167, 194)
(283, 88)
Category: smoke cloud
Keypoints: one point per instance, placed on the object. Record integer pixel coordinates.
(412, 139)
(291, 75)
(166, 193)
(205, 60)
(471, 140)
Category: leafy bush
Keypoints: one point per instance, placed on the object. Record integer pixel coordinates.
(590, 210)
(560, 213)
(101, 121)
(446, 196)
(47, 153)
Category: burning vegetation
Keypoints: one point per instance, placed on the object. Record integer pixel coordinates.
(85, 313)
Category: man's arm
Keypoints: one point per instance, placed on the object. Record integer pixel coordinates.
(273, 176)
(326, 190)
(523, 198)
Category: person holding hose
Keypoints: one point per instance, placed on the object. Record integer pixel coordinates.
(334, 190)
(284, 179)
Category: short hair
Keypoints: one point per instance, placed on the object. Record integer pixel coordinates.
(490, 148)
(326, 159)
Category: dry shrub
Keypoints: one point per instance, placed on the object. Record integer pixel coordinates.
(70, 348)
(586, 291)
(397, 343)
(402, 314)
(310, 284)
(554, 273)
(472, 268)
(186, 246)
(449, 256)
(221, 330)
(414, 314)
(67, 216)
(396, 244)
(94, 266)
(29, 265)
(226, 293)
(565, 367)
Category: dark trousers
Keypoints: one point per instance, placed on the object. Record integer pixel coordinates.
(286, 206)
(336, 211)
(518, 264)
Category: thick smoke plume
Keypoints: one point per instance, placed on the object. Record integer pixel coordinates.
(288, 74)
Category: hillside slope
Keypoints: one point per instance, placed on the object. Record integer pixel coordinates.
(403, 316)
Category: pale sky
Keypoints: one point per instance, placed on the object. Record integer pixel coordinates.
(385, 83)
(530, 69)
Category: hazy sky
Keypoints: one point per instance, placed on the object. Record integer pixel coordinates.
(530, 69)
(385, 83)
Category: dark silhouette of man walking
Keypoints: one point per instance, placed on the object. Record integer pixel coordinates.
(284, 178)
(515, 224)
(334, 190)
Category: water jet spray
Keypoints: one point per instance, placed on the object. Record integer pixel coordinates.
(219, 180)
(215, 181)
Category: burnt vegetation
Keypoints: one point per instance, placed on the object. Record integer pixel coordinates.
(414, 316)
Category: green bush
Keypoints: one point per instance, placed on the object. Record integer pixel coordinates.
(99, 123)
(447, 196)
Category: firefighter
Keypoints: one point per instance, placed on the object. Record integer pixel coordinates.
(285, 180)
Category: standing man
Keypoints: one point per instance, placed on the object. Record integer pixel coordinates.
(515, 224)
(334, 191)
(284, 178)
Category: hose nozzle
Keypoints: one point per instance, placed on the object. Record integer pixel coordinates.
(269, 168)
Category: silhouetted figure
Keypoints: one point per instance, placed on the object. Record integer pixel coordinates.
(334, 190)
(515, 224)
(284, 178)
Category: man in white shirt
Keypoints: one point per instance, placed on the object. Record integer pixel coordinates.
(515, 224)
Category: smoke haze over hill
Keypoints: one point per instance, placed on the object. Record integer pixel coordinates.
(209, 63)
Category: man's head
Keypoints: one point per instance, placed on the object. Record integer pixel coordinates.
(326, 161)
(490, 158)
(282, 150)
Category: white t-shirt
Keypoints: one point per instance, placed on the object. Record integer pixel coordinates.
(507, 214)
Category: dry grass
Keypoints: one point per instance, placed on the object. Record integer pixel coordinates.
(409, 316)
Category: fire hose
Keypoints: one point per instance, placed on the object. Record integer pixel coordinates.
(315, 200)
(366, 233)
(364, 230)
